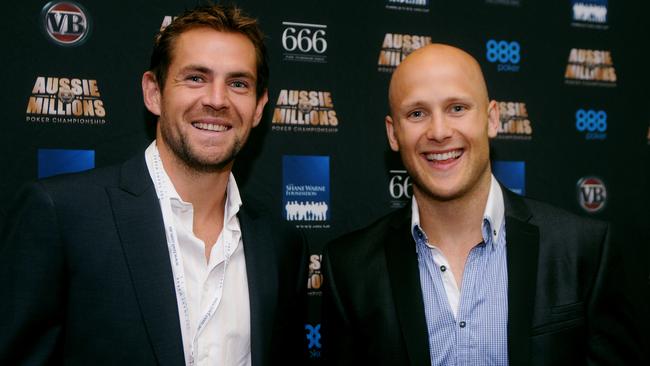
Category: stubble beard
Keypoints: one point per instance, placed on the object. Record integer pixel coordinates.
(180, 147)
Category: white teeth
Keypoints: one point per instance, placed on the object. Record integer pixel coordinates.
(209, 126)
(444, 156)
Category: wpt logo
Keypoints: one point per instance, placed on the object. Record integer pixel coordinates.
(65, 22)
(506, 55)
(593, 123)
(589, 13)
(592, 194)
(313, 336)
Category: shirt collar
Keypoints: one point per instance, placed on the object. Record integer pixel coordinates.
(493, 217)
(233, 198)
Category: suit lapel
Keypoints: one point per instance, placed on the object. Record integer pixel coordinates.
(402, 263)
(141, 230)
(522, 247)
(262, 284)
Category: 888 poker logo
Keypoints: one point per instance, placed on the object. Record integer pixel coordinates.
(505, 54)
(593, 123)
(66, 23)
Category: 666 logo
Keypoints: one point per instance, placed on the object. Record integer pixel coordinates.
(400, 188)
(592, 194)
(304, 42)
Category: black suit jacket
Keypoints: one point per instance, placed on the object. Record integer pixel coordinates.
(85, 276)
(564, 305)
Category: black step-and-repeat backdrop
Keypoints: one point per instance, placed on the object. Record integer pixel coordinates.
(571, 79)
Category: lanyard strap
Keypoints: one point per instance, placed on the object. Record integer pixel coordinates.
(189, 342)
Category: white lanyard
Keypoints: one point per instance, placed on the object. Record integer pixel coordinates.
(189, 343)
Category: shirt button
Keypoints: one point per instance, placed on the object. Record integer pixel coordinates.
(443, 268)
(495, 233)
(462, 324)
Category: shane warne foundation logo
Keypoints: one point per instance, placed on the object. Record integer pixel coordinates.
(304, 42)
(65, 100)
(396, 47)
(589, 13)
(66, 23)
(304, 111)
(306, 190)
(514, 123)
(421, 6)
(590, 68)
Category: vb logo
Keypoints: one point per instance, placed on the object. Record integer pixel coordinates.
(592, 194)
(313, 335)
(65, 22)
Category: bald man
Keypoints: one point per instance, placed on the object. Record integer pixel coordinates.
(469, 273)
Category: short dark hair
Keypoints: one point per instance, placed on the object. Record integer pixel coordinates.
(222, 18)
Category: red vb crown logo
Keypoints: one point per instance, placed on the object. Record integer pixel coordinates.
(65, 22)
(592, 194)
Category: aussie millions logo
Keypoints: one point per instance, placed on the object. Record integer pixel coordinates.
(66, 23)
(396, 47)
(304, 111)
(65, 100)
(592, 194)
(590, 67)
(514, 122)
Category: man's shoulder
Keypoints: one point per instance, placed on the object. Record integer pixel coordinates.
(373, 235)
(548, 214)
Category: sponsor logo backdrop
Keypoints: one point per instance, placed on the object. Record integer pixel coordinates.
(569, 76)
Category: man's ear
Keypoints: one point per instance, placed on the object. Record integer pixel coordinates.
(151, 92)
(493, 119)
(390, 133)
(259, 109)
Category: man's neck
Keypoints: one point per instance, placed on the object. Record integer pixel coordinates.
(455, 224)
(206, 191)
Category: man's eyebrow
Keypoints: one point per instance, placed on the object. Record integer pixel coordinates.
(196, 68)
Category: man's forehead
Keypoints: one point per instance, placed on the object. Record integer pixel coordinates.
(457, 73)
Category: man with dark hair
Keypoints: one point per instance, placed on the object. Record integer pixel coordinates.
(469, 273)
(157, 261)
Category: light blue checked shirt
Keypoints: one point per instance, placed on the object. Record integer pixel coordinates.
(470, 326)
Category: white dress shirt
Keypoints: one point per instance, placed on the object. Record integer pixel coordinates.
(225, 338)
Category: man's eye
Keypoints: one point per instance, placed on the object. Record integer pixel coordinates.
(195, 78)
(416, 114)
(458, 108)
(239, 84)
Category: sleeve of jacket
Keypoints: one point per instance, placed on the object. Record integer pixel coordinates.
(337, 331)
(613, 327)
(32, 278)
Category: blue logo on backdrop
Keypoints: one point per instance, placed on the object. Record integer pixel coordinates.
(506, 55)
(589, 13)
(593, 123)
(58, 161)
(306, 185)
(313, 335)
(512, 174)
